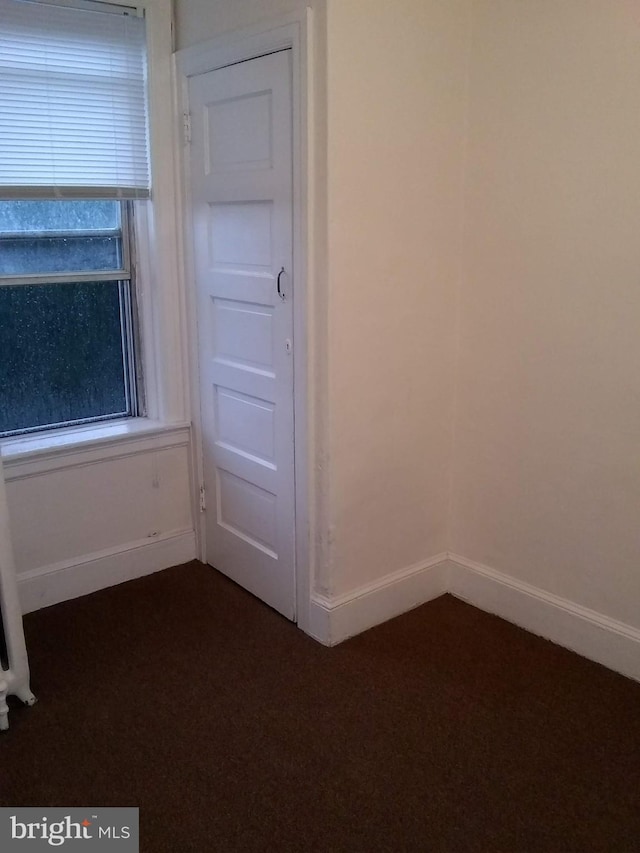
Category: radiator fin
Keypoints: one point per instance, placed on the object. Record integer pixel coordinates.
(4, 651)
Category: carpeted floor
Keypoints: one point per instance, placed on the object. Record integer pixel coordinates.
(444, 730)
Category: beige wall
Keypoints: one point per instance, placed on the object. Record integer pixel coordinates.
(547, 461)
(544, 483)
(396, 97)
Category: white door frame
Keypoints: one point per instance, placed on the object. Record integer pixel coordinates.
(294, 32)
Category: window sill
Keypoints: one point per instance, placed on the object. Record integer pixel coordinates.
(63, 448)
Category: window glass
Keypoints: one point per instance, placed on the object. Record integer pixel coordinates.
(59, 237)
(29, 217)
(67, 351)
(61, 354)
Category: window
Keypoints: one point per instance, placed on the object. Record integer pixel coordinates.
(67, 336)
(73, 158)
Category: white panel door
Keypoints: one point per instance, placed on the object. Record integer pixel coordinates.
(241, 182)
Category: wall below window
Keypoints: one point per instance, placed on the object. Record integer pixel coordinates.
(88, 518)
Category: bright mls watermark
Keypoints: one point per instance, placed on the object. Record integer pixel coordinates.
(87, 829)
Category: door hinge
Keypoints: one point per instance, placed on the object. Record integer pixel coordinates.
(186, 127)
(203, 499)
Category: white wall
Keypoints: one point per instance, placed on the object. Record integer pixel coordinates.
(547, 468)
(99, 515)
(396, 112)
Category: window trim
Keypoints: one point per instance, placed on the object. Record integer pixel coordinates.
(37, 453)
(159, 286)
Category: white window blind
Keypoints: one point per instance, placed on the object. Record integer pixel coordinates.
(73, 107)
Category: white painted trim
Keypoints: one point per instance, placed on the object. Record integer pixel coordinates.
(587, 632)
(293, 31)
(607, 641)
(614, 644)
(104, 434)
(43, 461)
(319, 620)
(164, 332)
(334, 620)
(278, 33)
(187, 277)
(59, 582)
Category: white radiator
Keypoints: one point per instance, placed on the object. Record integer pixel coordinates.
(14, 666)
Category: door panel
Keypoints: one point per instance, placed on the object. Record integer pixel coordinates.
(241, 175)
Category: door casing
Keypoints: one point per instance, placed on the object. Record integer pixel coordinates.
(291, 31)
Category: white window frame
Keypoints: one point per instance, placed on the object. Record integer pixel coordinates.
(159, 287)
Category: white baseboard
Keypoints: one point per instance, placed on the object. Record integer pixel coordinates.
(333, 620)
(592, 635)
(52, 584)
(319, 620)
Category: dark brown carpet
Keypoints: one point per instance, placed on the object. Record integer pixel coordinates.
(444, 730)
